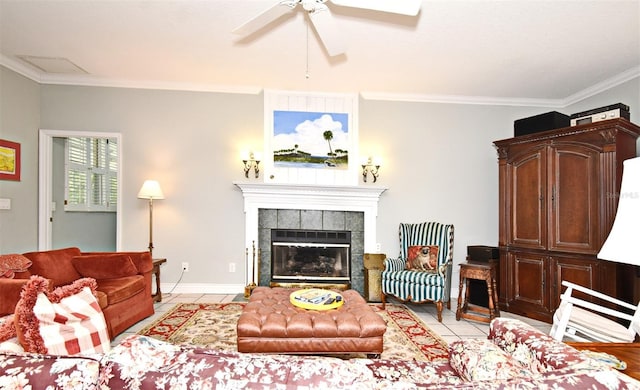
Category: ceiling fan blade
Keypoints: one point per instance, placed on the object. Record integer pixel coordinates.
(327, 29)
(403, 7)
(264, 18)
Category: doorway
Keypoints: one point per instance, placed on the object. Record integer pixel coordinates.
(46, 184)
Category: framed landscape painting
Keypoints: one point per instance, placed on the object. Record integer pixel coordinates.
(304, 139)
(9, 160)
(310, 138)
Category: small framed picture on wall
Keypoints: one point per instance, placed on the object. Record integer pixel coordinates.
(9, 160)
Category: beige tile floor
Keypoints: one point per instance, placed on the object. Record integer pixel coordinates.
(449, 329)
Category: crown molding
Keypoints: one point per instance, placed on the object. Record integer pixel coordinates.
(21, 68)
(92, 81)
(461, 99)
(595, 89)
(602, 86)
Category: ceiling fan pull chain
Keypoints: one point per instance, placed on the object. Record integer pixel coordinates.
(306, 73)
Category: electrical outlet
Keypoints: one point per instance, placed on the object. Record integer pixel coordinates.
(5, 204)
(378, 248)
(185, 267)
(232, 267)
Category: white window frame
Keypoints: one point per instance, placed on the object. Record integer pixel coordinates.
(99, 159)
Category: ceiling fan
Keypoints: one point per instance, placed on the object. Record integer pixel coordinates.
(321, 18)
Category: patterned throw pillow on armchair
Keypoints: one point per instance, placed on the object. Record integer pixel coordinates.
(422, 258)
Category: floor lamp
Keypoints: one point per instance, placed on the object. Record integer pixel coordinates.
(150, 190)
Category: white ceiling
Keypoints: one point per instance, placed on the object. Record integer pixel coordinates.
(512, 52)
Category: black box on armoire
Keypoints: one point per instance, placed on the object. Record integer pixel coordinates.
(478, 288)
(543, 122)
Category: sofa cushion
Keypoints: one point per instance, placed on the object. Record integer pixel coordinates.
(102, 299)
(55, 265)
(12, 263)
(537, 351)
(420, 278)
(32, 371)
(142, 260)
(66, 321)
(118, 290)
(10, 292)
(481, 360)
(591, 324)
(104, 266)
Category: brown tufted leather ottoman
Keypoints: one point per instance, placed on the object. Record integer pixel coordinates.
(269, 323)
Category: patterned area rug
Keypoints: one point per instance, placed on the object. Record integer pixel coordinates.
(213, 325)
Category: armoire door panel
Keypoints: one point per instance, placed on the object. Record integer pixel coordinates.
(528, 202)
(573, 194)
(530, 278)
(580, 272)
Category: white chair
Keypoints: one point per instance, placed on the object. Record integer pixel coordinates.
(580, 320)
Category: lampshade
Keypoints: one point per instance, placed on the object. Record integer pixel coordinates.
(150, 190)
(623, 243)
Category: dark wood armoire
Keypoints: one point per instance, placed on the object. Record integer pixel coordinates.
(557, 201)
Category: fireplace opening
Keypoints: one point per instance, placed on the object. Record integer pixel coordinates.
(310, 257)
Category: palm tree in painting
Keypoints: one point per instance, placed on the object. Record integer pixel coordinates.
(328, 135)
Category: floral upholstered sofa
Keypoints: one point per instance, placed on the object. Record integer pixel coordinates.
(515, 356)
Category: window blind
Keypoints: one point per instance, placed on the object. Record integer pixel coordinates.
(91, 174)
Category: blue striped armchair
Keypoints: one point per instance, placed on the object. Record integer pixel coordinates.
(420, 286)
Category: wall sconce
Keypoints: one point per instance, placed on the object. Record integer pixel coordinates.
(252, 160)
(371, 167)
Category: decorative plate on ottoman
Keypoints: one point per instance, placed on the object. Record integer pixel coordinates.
(316, 299)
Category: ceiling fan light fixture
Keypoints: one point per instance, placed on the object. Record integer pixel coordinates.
(321, 18)
(290, 3)
(313, 5)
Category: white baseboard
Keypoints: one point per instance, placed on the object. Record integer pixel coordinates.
(201, 288)
(207, 288)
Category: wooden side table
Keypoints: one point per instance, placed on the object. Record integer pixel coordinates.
(478, 271)
(627, 352)
(157, 297)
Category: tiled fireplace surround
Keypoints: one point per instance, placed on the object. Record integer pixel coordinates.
(271, 206)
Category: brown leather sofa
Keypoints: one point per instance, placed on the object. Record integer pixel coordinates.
(123, 278)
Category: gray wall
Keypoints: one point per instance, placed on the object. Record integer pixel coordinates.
(189, 142)
(19, 122)
(439, 164)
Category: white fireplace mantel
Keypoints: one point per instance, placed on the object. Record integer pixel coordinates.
(309, 197)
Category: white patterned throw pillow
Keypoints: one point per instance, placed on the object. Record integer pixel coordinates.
(73, 325)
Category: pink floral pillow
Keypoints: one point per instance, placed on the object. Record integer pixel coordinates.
(481, 360)
(12, 263)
